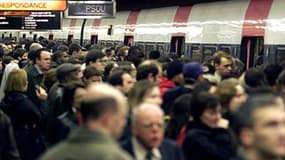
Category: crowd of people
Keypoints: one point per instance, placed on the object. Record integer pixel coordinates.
(66, 102)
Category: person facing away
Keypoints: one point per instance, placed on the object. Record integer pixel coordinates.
(103, 110)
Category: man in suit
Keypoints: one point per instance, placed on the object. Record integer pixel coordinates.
(147, 142)
(103, 110)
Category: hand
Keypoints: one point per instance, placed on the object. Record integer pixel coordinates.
(41, 93)
(223, 123)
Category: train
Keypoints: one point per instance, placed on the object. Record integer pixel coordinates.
(252, 30)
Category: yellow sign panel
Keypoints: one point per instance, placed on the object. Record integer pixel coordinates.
(33, 5)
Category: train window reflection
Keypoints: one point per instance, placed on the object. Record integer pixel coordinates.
(195, 53)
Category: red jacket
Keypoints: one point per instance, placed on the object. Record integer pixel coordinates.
(164, 85)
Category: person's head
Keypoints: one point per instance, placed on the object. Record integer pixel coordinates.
(42, 58)
(223, 63)
(135, 55)
(128, 67)
(68, 72)
(271, 72)
(260, 126)
(205, 108)
(123, 52)
(255, 78)
(144, 91)
(148, 125)
(122, 80)
(72, 94)
(174, 72)
(17, 81)
(91, 75)
(104, 108)
(154, 54)
(97, 59)
(60, 57)
(231, 94)
(193, 72)
(150, 70)
(20, 54)
(74, 50)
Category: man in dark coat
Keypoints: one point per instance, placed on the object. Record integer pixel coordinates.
(147, 141)
(103, 110)
(35, 72)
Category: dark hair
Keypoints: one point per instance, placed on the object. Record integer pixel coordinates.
(74, 47)
(179, 115)
(93, 55)
(135, 55)
(91, 71)
(37, 54)
(154, 55)
(19, 52)
(200, 102)
(56, 55)
(96, 108)
(271, 73)
(116, 78)
(145, 69)
(243, 117)
(219, 55)
(255, 78)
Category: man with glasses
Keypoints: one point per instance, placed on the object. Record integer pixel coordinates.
(147, 142)
(97, 59)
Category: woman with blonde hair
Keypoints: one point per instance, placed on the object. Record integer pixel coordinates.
(26, 118)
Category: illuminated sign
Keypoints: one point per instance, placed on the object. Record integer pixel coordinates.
(16, 13)
(35, 21)
(33, 5)
(90, 9)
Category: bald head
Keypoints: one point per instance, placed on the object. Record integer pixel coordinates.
(145, 109)
(148, 125)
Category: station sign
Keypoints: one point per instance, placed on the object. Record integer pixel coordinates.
(90, 9)
(35, 21)
(33, 5)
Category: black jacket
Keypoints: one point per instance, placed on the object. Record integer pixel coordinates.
(27, 124)
(8, 149)
(205, 143)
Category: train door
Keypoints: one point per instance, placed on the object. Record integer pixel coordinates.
(177, 45)
(251, 52)
(94, 39)
(129, 40)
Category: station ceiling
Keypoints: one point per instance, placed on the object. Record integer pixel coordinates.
(144, 4)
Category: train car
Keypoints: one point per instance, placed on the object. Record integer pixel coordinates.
(253, 30)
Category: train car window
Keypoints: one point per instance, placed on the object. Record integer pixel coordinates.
(24, 36)
(70, 39)
(195, 53)
(161, 48)
(149, 48)
(128, 40)
(141, 46)
(109, 44)
(50, 37)
(280, 54)
(177, 45)
(94, 39)
(208, 51)
(110, 30)
(10, 35)
(3, 36)
(251, 50)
